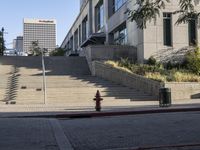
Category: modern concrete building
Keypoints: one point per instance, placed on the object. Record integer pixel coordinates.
(41, 30)
(104, 22)
(18, 44)
(82, 4)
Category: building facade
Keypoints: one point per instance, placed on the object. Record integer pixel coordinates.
(82, 4)
(105, 22)
(42, 31)
(18, 44)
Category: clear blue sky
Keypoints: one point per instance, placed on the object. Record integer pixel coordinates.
(13, 11)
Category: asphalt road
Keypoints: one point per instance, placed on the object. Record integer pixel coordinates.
(169, 131)
(175, 131)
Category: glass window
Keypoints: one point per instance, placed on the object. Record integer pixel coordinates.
(76, 40)
(99, 16)
(84, 29)
(192, 32)
(120, 36)
(118, 4)
(79, 32)
(167, 29)
(71, 45)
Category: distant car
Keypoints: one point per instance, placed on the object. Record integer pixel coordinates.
(10, 52)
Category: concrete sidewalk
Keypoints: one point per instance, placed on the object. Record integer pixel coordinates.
(89, 111)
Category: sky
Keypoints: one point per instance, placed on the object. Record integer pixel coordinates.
(12, 13)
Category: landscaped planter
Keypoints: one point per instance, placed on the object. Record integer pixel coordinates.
(180, 91)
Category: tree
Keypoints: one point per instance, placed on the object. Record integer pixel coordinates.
(35, 50)
(187, 11)
(146, 10)
(58, 52)
(2, 44)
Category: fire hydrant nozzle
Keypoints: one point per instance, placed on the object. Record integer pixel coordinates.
(98, 100)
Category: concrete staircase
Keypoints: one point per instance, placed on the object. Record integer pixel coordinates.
(69, 82)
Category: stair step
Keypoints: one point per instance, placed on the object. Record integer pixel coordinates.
(69, 82)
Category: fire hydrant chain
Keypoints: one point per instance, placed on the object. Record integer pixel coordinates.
(98, 100)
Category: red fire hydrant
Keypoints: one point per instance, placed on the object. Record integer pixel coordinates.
(98, 100)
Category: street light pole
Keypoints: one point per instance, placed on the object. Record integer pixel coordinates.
(44, 76)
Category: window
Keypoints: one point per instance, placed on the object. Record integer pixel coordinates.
(120, 36)
(71, 45)
(167, 29)
(76, 40)
(79, 34)
(192, 32)
(84, 29)
(99, 16)
(118, 4)
(68, 45)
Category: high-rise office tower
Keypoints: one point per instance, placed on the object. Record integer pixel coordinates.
(18, 43)
(42, 31)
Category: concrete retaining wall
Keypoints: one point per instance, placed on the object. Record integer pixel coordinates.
(184, 90)
(126, 79)
(108, 52)
(179, 91)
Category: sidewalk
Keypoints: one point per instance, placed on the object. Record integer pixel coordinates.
(82, 110)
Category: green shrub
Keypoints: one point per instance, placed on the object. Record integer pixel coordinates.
(58, 52)
(152, 61)
(156, 72)
(168, 65)
(193, 61)
(124, 62)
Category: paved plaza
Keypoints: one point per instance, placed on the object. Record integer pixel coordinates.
(169, 131)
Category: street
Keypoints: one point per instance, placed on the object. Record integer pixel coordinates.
(176, 131)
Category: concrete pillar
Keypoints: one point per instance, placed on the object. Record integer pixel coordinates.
(106, 17)
(80, 35)
(90, 18)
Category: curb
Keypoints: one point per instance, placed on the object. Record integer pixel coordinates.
(79, 115)
(123, 113)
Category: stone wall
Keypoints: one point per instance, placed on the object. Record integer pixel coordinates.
(179, 91)
(126, 79)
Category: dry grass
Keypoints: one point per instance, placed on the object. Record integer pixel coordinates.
(156, 76)
(116, 65)
(185, 77)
